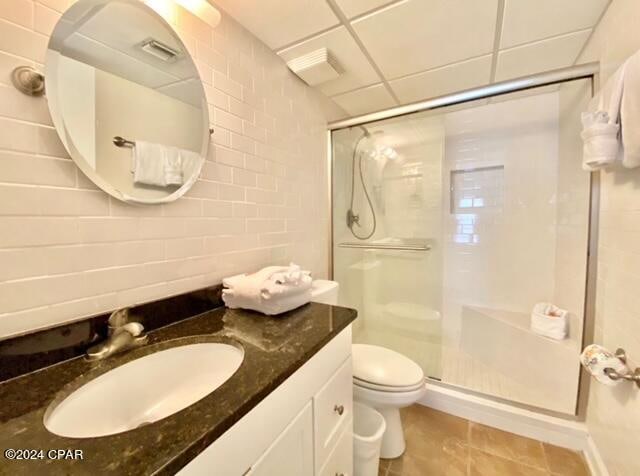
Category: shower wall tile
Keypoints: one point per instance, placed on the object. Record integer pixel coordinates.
(67, 250)
(613, 414)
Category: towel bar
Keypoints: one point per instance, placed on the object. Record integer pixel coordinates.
(382, 246)
(120, 141)
(633, 376)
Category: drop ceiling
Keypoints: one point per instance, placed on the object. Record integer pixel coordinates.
(403, 51)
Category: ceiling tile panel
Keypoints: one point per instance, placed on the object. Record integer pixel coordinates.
(353, 8)
(558, 52)
(356, 71)
(417, 35)
(449, 79)
(362, 101)
(527, 20)
(281, 22)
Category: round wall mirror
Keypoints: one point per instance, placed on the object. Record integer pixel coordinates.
(127, 101)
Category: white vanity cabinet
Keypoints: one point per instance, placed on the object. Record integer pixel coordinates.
(302, 428)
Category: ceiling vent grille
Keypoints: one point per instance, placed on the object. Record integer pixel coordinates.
(316, 67)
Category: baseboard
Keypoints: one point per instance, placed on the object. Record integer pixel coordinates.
(550, 429)
(594, 459)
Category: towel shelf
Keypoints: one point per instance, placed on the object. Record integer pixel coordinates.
(120, 141)
(382, 246)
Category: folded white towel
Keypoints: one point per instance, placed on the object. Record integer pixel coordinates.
(611, 128)
(550, 321)
(149, 163)
(272, 290)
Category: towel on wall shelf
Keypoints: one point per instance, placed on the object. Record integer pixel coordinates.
(611, 127)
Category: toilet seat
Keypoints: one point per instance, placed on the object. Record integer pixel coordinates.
(379, 368)
(386, 388)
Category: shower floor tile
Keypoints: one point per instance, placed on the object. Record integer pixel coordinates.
(439, 444)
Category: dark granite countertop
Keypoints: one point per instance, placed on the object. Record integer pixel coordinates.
(275, 347)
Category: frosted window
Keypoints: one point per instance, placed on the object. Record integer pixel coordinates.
(477, 189)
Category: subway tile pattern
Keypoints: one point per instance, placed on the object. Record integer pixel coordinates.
(68, 250)
(613, 414)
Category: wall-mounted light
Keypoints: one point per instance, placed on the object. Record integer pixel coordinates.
(200, 8)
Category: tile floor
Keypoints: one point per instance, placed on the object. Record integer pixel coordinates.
(439, 444)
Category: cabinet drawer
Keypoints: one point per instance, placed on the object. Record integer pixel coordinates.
(332, 411)
(340, 461)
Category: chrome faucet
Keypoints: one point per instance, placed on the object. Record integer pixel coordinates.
(123, 335)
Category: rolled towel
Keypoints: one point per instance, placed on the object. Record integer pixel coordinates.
(549, 321)
(596, 359)
(600, 141)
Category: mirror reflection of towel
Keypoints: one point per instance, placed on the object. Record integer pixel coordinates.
(173, 167)
(161, 165)
(149, 163)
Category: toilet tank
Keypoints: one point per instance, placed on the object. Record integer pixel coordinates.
(324, 291)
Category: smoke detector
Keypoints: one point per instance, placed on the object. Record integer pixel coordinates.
(316, 67)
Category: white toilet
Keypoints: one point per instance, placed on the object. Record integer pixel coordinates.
(382, 378)
(387, 381)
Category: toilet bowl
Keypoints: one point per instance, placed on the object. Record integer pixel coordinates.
(387, 381)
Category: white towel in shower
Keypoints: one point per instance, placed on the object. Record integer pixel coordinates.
(550, 321)
(149, 163)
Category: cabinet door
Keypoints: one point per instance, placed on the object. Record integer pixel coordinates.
(332, 407)
(340, 461)
(292, 452)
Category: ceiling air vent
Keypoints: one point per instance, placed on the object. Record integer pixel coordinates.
(316, 67)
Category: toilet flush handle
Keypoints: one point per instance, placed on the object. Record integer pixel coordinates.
(339, 409)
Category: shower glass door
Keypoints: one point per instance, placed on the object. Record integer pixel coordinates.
(450, 225)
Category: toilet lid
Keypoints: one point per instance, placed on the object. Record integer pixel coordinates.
(382, 366)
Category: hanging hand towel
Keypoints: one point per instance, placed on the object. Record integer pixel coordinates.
(173, 167)
(149, 163)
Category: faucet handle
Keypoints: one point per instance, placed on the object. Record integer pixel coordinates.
(119, 317)
(133, 328)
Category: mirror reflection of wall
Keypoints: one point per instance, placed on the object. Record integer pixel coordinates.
(133, 79)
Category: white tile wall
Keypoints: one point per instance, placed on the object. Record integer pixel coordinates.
(613, 415)
(67, 250)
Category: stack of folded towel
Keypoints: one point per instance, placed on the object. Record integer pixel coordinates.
(272, 290)
(550, 321)
(161, 165)
(610, 127)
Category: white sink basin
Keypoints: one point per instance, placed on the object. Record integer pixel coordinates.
(144, 390)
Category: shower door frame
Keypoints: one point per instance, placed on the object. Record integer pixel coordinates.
(588, 71)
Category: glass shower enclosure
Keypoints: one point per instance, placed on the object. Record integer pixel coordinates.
(450, 224)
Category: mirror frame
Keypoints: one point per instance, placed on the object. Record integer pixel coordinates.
(78, 159)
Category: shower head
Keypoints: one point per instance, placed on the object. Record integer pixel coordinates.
(369, 134)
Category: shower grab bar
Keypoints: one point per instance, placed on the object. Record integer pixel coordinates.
(379, 246)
